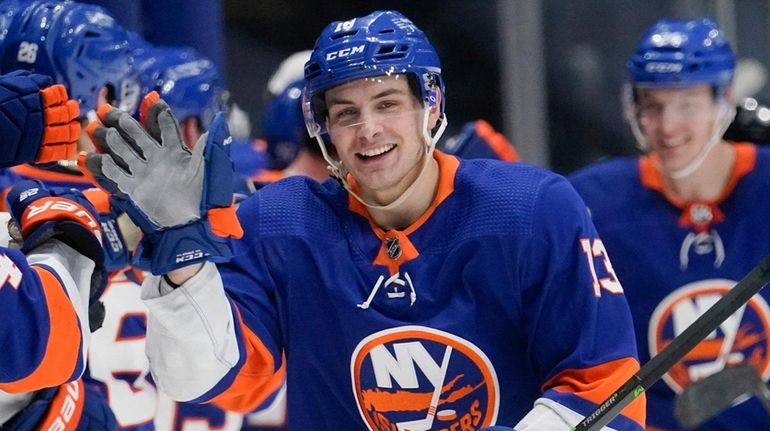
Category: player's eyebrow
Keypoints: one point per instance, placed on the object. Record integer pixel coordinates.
(380, 95)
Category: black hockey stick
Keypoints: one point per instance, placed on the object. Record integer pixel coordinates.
(653, 370)
(707, 398)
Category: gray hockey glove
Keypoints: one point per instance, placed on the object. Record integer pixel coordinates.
(182, 199)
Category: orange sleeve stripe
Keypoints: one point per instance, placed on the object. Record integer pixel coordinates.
(497, 141)
(63, 346)
(253, 384)
(597, 383)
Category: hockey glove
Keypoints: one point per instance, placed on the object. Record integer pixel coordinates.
(39, 214)
(180, 198)
(37, 121)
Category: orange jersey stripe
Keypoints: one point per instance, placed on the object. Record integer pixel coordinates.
(268, 176)
(256, 380)
(597, 383)
(497, 141)
(64, 339)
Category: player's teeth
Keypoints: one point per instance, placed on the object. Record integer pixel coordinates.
(377, 151)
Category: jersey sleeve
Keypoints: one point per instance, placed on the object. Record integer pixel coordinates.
(231, 336)
(572, 295)
(45, 321)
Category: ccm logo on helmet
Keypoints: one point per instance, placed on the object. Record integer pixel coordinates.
(346, 52)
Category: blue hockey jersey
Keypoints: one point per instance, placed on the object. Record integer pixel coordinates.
(676, 259)
(499, 295)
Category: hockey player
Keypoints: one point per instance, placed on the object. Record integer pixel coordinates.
(78, 45)
(187, 81)
(478, 139)
(418, 291)
(289, 147)
(46, 290)
(683, 222)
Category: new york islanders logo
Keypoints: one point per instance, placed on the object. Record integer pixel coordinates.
(742, 338)
(418, 379)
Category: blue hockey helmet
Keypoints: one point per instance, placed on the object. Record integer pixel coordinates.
(283, 126)
(9, 9)
(78, 45)
(189, 82)
(682, 53)
(381, 43)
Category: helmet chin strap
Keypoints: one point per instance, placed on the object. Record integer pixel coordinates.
(340, 172)
(722, 122)
(726, 115)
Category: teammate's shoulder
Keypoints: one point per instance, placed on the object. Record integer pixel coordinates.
(608, 169)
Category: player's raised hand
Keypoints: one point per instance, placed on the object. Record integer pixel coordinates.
(180, 198)
(38, 122)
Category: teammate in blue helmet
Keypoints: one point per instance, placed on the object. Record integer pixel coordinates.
(681, 57)
(415, 291)
(284, 127)
(681, 222)
(78, 45)
(290, 149)
(186, 80)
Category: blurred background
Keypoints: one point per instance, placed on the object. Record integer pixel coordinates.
(547, 73)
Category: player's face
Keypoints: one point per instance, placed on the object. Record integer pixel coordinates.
(375, 126)
(677, 123)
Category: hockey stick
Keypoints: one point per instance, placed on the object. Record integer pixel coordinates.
(653, 370)
(707, 398)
